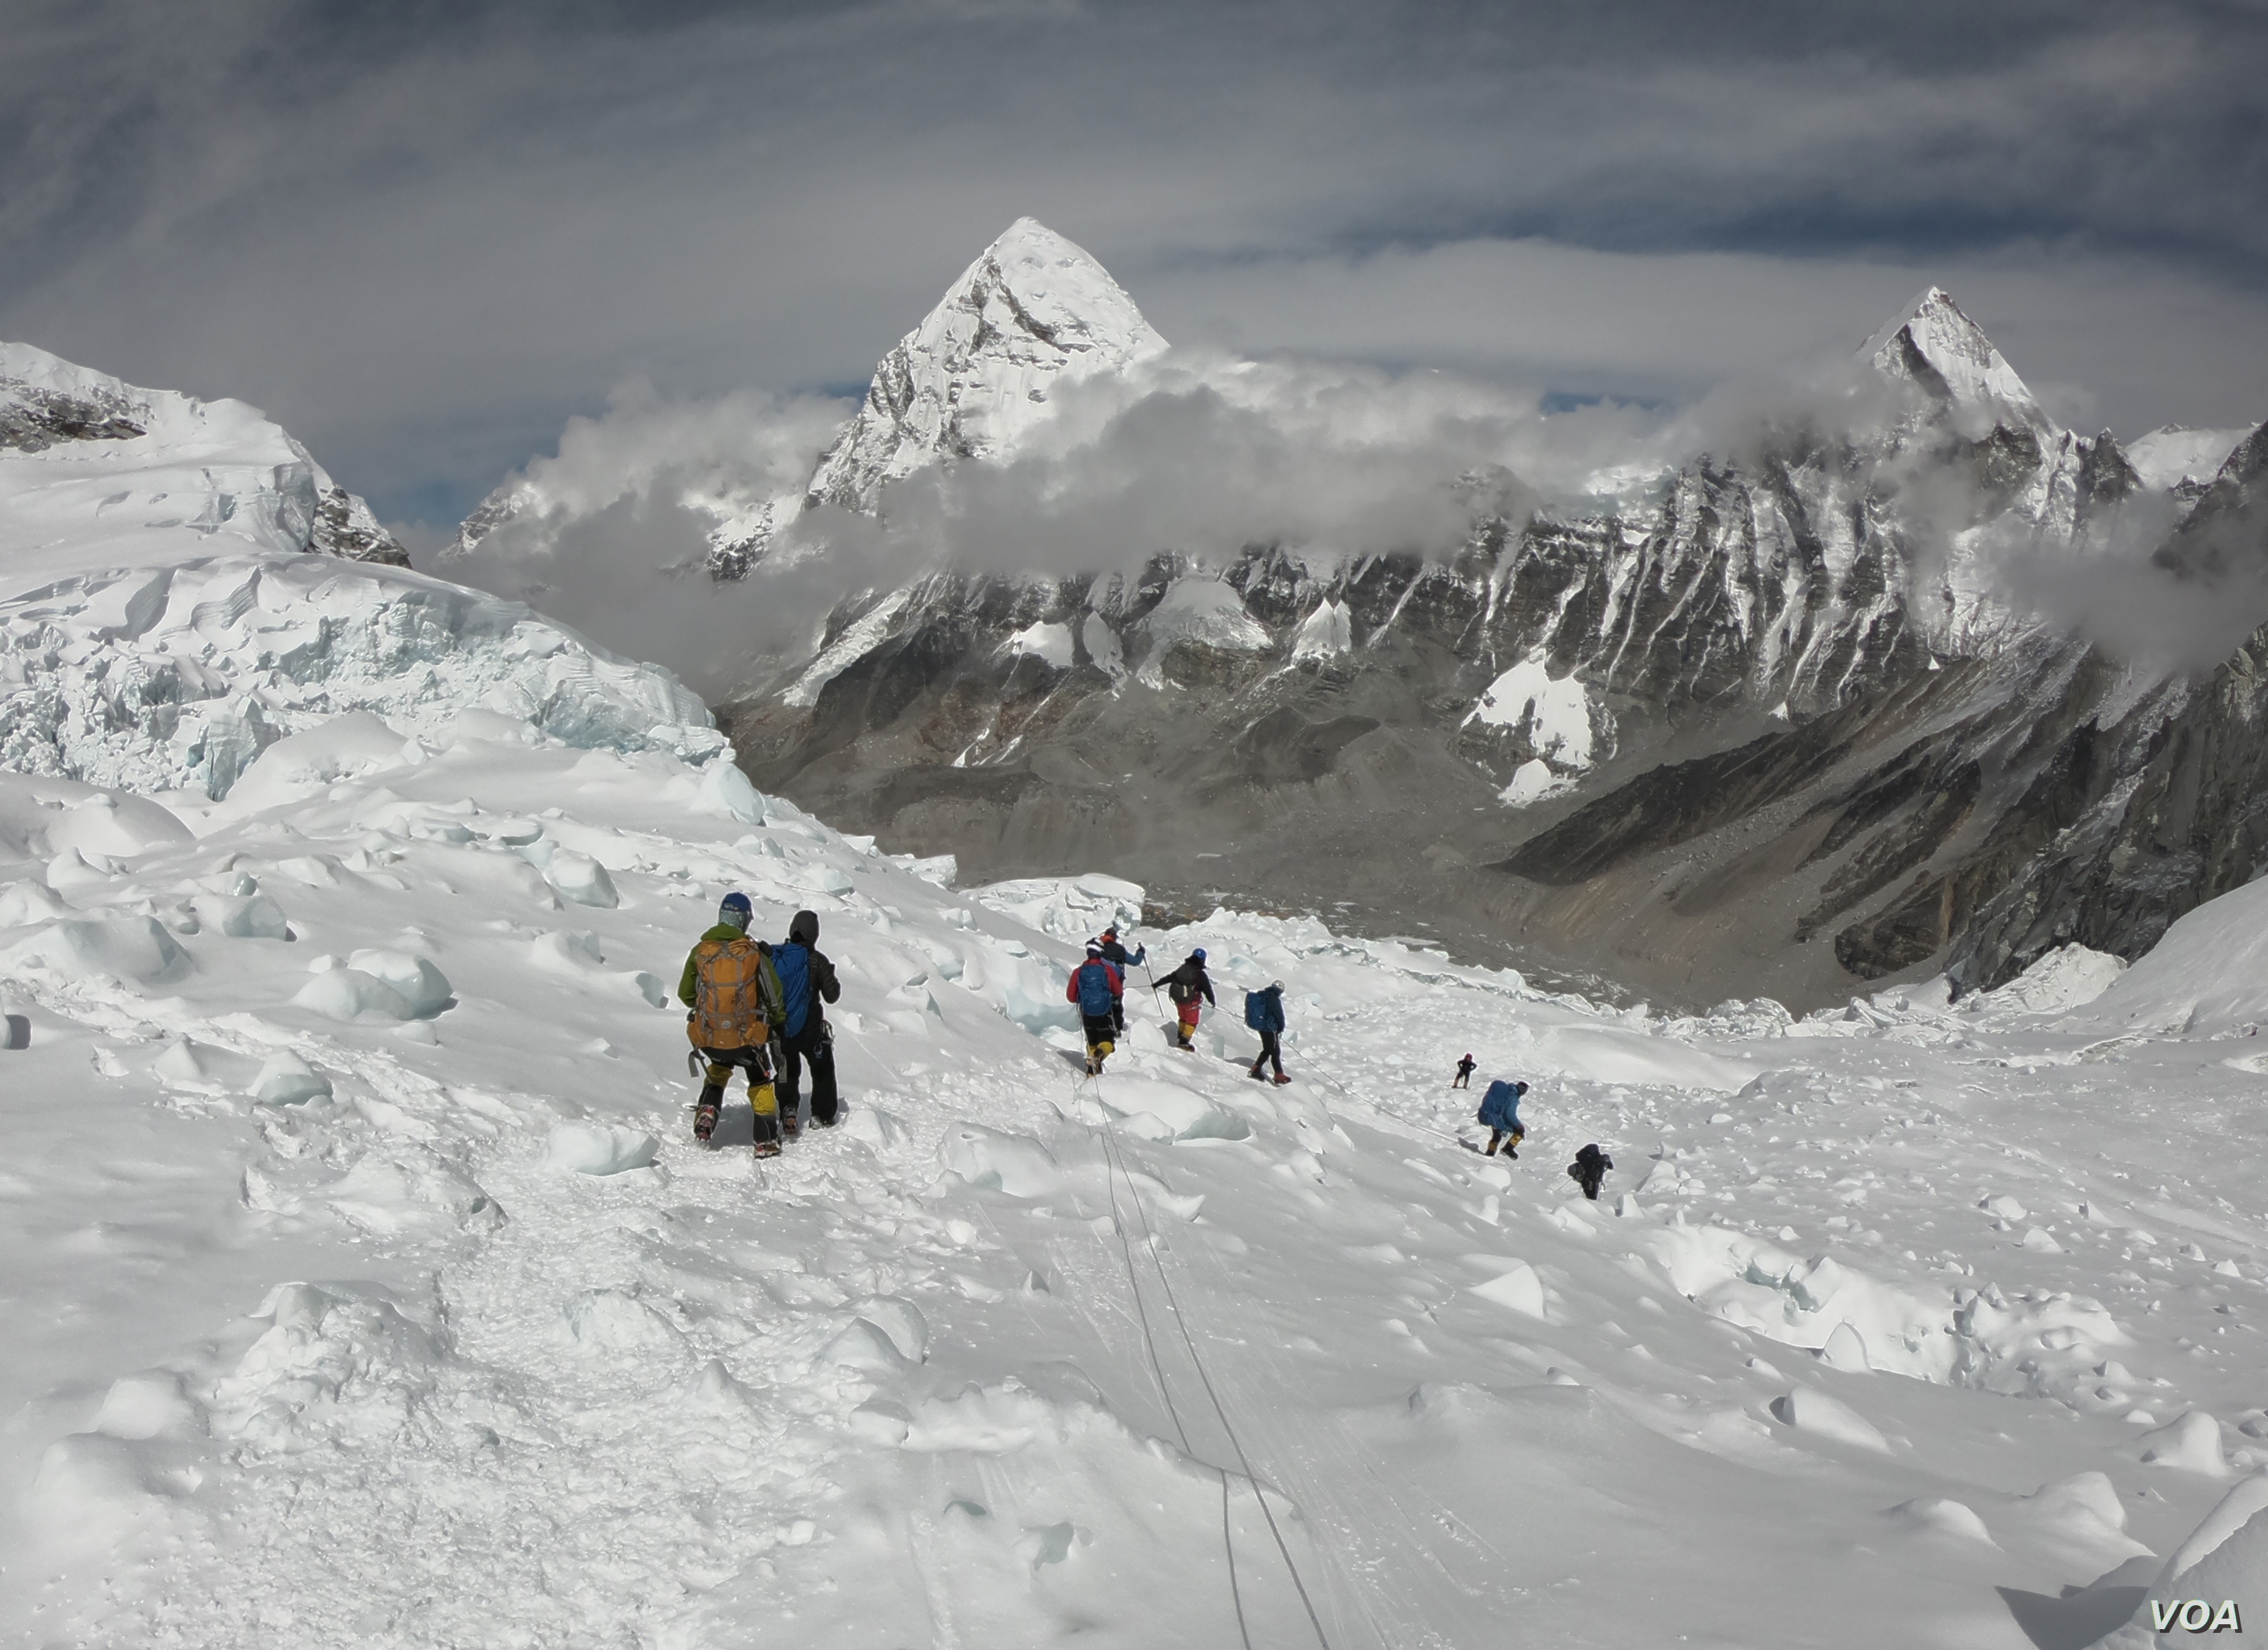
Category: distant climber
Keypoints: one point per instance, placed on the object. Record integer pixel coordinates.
(1464, 1079)
(1263, 1012)
(1500, 1113)
(1190, 987)
(806, 980)
(1114, 953)
(734, 993)
(1098, 988)
(1590, 1167)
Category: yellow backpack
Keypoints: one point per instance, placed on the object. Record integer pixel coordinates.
(736, 995)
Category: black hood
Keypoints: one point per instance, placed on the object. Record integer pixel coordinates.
(804, 931)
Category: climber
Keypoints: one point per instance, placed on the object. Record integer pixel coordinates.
(1501, 1112)
(1190, 988)
(1098, 988)
(733, 994)
(807, 979)
(1263, 1012)
(1590, 1167)
(1464, 1078)
(1114, 953)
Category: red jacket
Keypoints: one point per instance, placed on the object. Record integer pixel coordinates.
(1117, 981)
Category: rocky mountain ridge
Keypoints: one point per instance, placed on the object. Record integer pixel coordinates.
(1772, 720)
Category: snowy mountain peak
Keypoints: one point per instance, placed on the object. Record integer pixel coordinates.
(86, 455)
(1033, 312)
(1933, 344)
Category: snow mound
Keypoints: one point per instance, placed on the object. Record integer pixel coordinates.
(1808, 1410)
(1606, 1055)
(43, 816)
(2208, 977)
(590, 1148)
(2065, 978)
(96, 948)
(1067, 907)
(2225, 1557)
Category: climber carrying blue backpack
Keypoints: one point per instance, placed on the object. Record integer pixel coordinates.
(1096, 987)
(1500, 1113)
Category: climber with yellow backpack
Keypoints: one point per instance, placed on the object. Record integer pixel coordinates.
(735, 995)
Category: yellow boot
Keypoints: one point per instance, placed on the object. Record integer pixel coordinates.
(766, 1102)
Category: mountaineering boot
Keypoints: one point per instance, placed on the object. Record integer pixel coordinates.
(765, 1101)
(1279, 1077)
(704, 1112)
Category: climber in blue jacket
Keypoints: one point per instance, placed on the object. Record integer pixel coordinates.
(1501, 1112)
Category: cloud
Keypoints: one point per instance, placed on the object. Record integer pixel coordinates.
(424, 235)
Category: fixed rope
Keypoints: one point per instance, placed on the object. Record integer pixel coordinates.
(1157, 1367)
(1114, 1160)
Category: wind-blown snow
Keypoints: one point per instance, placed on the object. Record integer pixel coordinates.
(2176, 458)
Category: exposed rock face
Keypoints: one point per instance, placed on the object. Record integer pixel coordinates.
(32, 419)
(1767, 723)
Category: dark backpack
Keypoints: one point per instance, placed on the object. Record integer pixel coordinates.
(1094, 992)
(793, 963)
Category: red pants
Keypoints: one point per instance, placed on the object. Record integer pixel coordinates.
(1188, 1012)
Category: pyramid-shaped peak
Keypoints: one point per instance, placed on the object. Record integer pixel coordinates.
(1034, 312)
(1054, 289)
(1932, 344)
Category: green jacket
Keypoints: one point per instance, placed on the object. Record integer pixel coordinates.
(775, 999)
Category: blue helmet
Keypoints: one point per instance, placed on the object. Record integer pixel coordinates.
(735, 911)
(1198, 953)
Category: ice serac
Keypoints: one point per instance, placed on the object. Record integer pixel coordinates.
(85, 454)
(185, 585)
(1034, 313)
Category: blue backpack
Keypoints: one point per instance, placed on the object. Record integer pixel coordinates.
(1094, 990)
(1262, 1012)
(1501, 1106)
(792, 963)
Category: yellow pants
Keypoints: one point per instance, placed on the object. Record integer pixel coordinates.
(760, 1095)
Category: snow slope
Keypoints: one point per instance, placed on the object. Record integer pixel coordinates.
(454, 1337)
(90, 464)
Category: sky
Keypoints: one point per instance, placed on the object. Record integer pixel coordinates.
(424, 235)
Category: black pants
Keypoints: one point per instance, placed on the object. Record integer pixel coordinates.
(815, 1042)
(718, 1071)
(1270, 1048)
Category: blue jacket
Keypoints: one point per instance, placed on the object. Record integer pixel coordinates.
(1263, 1011)
(1501, 1106)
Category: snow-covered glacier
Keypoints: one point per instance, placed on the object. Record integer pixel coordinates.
(181, 585)
(363, 1284)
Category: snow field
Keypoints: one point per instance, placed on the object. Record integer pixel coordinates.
(425, 1321)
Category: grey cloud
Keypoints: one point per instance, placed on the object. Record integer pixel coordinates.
(423, 235)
